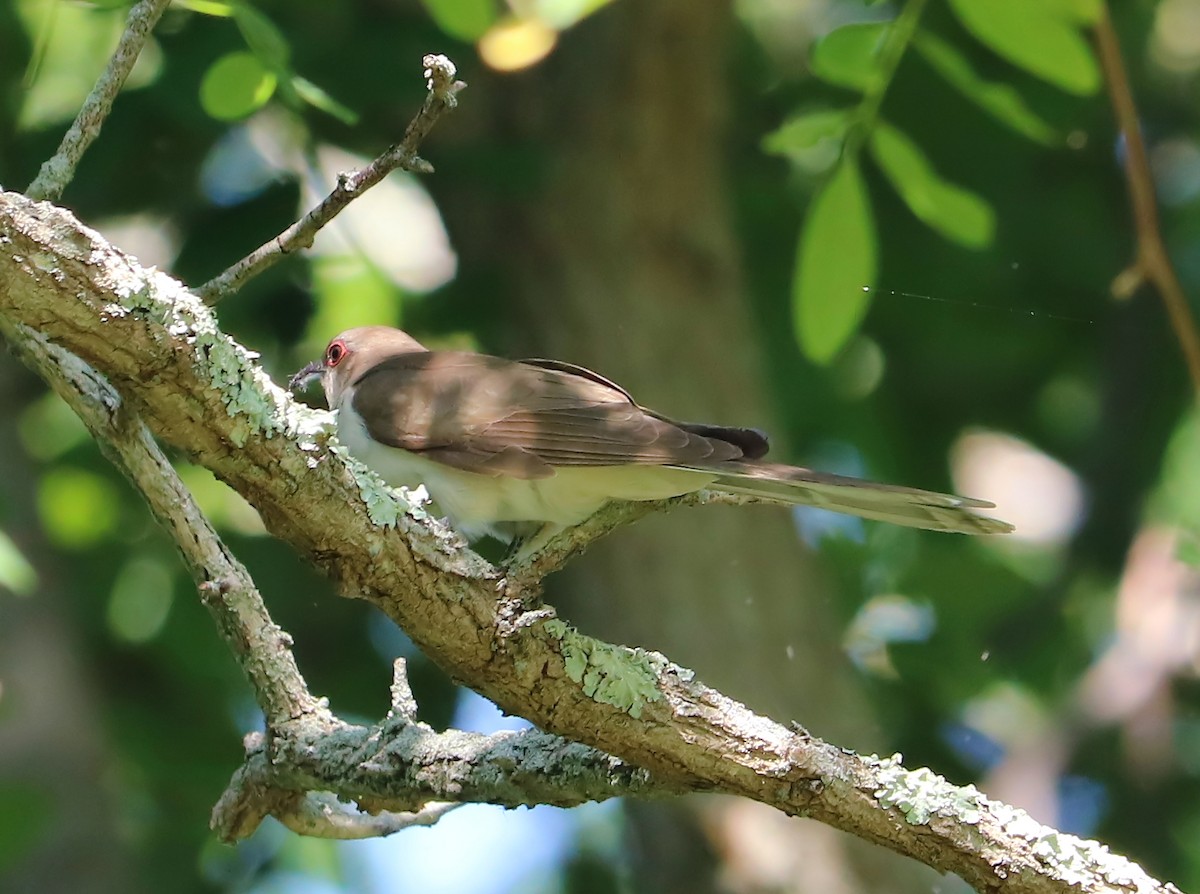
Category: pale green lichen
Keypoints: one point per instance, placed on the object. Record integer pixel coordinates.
(255, 403)
(920, 794)
(613, 675)
(1077, 861)
(249, 396)
(385, 505)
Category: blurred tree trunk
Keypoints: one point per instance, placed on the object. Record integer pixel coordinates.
(625, 260)
(56, 784)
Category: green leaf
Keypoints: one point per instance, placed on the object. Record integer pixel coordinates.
(835, 264)
(206, 7)
(140, 600)
(78, 508)
(1187, 550)
(27, 819)
(16, 574)
(236, 85)
(348, 290)
(562, 14)
(805, 131)
(848, 56)
(48, 428)
(262, 37)
(1084, 12)
(1001, 101)
(310, 93)
(1035, 36)
(956, 213)
(465, 20)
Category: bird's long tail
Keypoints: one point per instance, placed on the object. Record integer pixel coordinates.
(840, 493)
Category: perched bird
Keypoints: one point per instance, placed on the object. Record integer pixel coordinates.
(508, 447)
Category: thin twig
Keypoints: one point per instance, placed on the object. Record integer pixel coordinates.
(442, 97)
(525, 571)
(1151, 263)
(897, 40)
(261, 647)
(57, 172)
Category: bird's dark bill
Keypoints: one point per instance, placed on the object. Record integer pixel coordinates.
(300, 380)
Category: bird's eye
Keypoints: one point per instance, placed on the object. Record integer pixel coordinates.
(335, 353)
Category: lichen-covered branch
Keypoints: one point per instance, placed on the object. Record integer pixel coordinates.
(57, 172)
(159, 346)
(442, 97)
(394, 772)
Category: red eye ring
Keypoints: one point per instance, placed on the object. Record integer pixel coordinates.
(335, 353)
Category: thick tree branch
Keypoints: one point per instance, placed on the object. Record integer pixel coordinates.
(442, 97)
(57, 172)
(310, 758)
(1151, 263)
(198, 390)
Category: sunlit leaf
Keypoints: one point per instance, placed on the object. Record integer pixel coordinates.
(465, 20)
(48, 428)
(1000, 100)
(221, 504)
(1085, 12)
(78, 508)
(263, 38)
(236, 85)
(141, 599)
(1036, 37)
(835, 264)
(848, 56)
(806, 130)
(206, 7)
(350, 291)
(71, 44)
(1176, 497)
(1188, 550)
(565, 13)
(16, 574)
(310, 93)
(515, 43)
(957, 213)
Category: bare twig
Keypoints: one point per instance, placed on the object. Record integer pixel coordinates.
(225, 586)
(897, 39)
(442, 96)
(1151, 262)
(57, 172)
(525, 571)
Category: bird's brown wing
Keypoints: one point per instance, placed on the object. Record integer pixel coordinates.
(495, 416)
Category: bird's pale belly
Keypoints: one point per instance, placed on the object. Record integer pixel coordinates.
(478, 504)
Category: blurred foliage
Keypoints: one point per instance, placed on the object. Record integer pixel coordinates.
(884, 343)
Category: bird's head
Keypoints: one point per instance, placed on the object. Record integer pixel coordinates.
(351, 354)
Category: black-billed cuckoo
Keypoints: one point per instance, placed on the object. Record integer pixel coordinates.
(505, 447)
